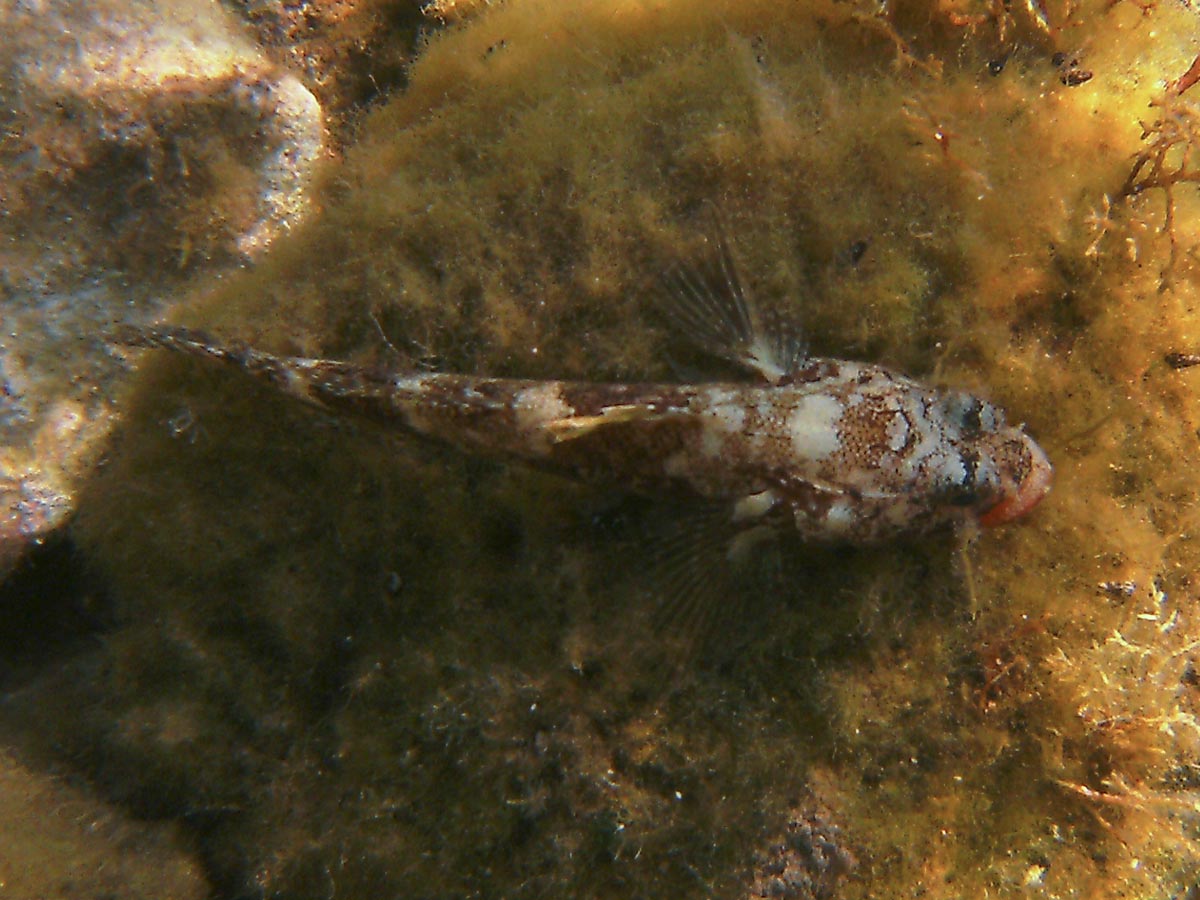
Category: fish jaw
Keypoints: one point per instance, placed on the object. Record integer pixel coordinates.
(1028, 475)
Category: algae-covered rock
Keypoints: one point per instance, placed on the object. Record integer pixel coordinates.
(143, 143)
(380, 666)
(349, 52)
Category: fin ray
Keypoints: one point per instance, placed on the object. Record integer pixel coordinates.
(695, 570)
(707, 302)
(569, 428)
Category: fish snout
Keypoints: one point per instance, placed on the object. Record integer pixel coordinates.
(1026, 474)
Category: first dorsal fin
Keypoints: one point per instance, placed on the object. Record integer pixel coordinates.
(707, 302)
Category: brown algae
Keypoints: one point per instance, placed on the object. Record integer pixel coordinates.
(387, 668)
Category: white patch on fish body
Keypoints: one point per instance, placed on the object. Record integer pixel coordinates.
(898, 432)
(717, 396)
(754, 506)
(722, 415)
(813, 425)
(406, 386)
(730, 417)
(540, 403)
(727, 419)
(841, 518)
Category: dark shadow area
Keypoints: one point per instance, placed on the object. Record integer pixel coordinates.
(53, 608)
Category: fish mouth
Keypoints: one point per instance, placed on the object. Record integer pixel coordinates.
(1029, 491)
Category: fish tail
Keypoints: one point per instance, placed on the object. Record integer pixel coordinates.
(181, 339)
(199, 343)
(308, 379)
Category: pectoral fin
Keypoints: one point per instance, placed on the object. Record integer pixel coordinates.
(699, 571)
(696, 568)
(573, 427)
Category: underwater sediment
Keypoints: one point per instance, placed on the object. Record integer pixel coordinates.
(355, 661)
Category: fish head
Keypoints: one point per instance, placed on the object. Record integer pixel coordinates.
(1024, 477)
(1005, 474)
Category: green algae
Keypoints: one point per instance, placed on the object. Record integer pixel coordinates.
(381, 666)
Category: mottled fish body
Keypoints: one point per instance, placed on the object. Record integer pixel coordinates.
(839, 451)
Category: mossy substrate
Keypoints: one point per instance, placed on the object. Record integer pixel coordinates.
(355, 661)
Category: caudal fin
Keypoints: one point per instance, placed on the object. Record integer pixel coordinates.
(309, 379)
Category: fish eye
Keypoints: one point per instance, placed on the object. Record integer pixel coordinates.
(972, 415)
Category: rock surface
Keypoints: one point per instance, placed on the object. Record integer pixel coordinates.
(145, 143)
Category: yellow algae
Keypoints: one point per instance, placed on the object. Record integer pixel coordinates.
(418, 659)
